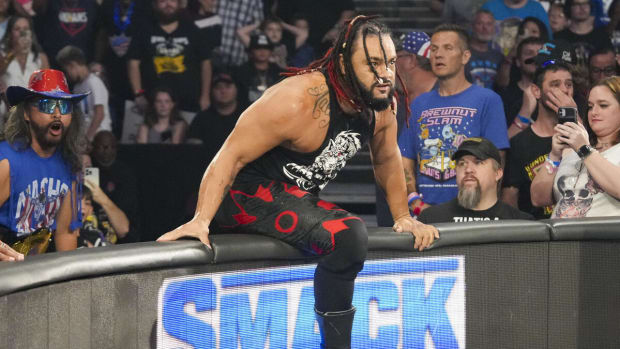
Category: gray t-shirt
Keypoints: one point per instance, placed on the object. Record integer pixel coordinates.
(576, 192)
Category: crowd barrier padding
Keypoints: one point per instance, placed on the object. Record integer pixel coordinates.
(551, 284)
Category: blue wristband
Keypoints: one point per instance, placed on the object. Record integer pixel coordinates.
(524, 119)
(412, 199)
(554, 163)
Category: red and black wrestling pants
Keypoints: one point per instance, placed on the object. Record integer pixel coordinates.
(299, 218)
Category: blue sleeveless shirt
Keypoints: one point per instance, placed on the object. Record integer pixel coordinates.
(38, 186)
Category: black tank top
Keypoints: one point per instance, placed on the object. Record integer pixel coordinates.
(312, 171)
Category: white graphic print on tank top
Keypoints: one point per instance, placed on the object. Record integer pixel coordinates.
(326, 166)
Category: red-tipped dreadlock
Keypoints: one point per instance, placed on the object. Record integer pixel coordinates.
(345, 88)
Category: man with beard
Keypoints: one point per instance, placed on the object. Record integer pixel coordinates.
(529, 150)
(478, 175)
(169, 52)
(39, 163)
(442, 118)
(288, 145)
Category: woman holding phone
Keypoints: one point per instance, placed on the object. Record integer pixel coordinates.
(582, 174)
(21, 54)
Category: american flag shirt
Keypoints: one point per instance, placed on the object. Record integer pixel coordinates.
(38, 188)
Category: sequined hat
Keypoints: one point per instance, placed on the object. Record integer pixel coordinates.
(47, 83)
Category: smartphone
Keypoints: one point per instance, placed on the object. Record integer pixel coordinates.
(567, 114)
(91, 174)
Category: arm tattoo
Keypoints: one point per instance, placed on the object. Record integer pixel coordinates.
(408, 176)
(321, 104)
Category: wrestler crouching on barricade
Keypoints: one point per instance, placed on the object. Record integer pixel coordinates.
(287, 146)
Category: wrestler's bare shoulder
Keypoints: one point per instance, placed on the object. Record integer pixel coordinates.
(305, 95)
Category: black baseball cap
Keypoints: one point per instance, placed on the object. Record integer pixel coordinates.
(222, 77)
(555, 52)
(479, 147)
(260, 41)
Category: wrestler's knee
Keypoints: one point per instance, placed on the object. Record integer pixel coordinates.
(354, 241)
(350, 247)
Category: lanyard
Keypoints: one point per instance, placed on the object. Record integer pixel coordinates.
(122, 26)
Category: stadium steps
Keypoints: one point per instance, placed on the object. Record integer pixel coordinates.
(401, 16)
(354, 188)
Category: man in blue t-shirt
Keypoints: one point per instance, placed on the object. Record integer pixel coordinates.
(39, 163)
(442, 118)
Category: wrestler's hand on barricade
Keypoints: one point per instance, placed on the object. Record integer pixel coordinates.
(195, 228)
(9, 254)
(424, 234)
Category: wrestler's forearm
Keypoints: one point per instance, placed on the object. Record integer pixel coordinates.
(409, 173)
(390, 177)
(215, 184)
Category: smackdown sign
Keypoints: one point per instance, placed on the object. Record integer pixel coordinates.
(401, 303)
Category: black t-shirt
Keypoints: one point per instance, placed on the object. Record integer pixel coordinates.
(210, 27)
(213, 128)
(119, 29)
(452, 212)
(584, 44)
(171, 59)
(526, 157)
(252, 83)
(512, 96)
(65, 23)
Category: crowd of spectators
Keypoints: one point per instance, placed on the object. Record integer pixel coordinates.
(534, 60)
(183, 71)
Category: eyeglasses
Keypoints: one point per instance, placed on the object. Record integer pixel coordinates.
(607, 70)
(48, 106)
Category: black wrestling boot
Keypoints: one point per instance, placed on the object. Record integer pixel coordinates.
(335, 327)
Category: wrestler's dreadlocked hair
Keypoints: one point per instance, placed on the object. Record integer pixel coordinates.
(345, 85)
